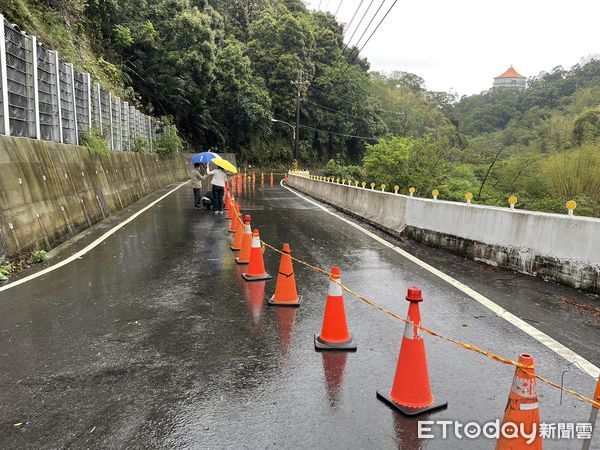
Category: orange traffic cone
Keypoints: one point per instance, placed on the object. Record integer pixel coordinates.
(271, 179)
(334, 333)
(410, 394)
(522, 410)
(256, 267)
(230, 211)
(285, 290)
(234, 215)
(226, 199)
(239, 232)
(262, 178)
(244, 257)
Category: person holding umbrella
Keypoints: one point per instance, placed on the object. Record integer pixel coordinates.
(219, 178)
(199, 160)
(197, 178)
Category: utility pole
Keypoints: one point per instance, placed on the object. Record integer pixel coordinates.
(300, 85)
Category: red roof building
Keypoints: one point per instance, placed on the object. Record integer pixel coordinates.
(510, 79)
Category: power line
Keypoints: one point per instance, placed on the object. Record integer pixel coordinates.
(350, 115)
(338, 8)
(336, 68)
(354, 15)
(370, 22)
(341, 134)
(367, 41)
(358, 26)
(334, 110)
(388, 111)
(340, 70)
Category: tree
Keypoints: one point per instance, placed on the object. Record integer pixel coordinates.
(587, 127)
(240, 103)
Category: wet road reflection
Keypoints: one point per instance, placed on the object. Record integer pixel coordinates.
(334, 365)
(255, 297)
(407, 431)
(153, 340)
(284, 318)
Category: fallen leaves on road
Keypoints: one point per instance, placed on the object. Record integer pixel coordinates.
(592, 309)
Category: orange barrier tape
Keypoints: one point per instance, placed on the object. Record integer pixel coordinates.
(464, 345)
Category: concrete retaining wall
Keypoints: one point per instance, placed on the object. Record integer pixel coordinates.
(49, 192)
(559, 247)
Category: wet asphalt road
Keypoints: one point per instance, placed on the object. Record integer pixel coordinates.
(153, 340)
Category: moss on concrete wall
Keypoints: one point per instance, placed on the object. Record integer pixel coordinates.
(49, 192)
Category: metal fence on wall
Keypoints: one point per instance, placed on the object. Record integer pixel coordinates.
(43, 97)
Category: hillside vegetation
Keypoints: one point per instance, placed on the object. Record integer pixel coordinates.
(223, 69)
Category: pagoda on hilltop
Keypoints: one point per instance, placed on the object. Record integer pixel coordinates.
(510, 79)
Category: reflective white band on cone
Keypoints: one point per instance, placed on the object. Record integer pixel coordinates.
(335, 290)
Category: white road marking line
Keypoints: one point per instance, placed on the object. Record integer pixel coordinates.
(538, 335)
(89, 247)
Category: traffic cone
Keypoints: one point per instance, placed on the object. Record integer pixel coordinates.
(271, 179)
(334, 333)
(226, 199)
(522, 410)
(239, 232)
(230, 211)
(234, 215)
(244, 257)
(410, 394)
(256, 267)
(262, 178)
(285, 289)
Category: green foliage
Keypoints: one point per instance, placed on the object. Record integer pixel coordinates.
(5, 271)
(337, 170)
(587, 127)
(123, 36)
(39, 256)
(576, 172)
(406, 161)
(222, 69)
(460, 180)
(140, 145)
(61, 24)
(169, 142)
(95, 143)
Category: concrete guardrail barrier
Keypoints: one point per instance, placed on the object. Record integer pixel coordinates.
(558, 247)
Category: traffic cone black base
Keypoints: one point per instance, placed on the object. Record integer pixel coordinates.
(271, 302)
(247, 277)
(322, 346)
(237, 260)
(234, 249)
(407, 410)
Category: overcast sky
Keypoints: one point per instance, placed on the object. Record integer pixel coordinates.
(461, 45)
